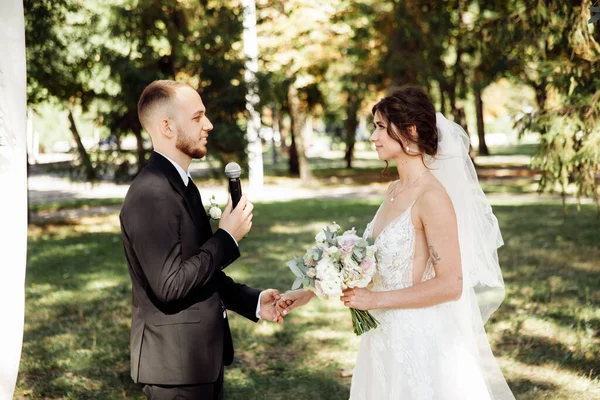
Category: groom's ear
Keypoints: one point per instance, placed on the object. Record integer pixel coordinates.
(166, 128)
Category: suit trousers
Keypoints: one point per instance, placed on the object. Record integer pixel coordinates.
(206, 391)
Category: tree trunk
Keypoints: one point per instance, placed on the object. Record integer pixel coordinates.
(349, 153)
(276, 128)
(540, 94)
(483, 149)
(90, 172)
(298, 121)
(442, 100)
(461, 119)
(256, 175)
(293, 153)
(458, 78)
(141, 152)
(350, 126)
(283, 132)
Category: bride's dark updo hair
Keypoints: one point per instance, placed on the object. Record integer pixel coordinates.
(407, 106)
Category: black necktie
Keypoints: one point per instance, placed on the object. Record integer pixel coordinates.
(193, 191)
(196, 200)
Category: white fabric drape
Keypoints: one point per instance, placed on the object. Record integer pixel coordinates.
(13, 191)
(479, 238)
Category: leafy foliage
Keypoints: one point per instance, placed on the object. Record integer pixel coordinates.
(568, 112)
(328, 60)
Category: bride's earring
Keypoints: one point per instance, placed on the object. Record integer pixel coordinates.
(407, 149)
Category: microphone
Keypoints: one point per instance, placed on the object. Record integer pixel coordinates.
(233, 172)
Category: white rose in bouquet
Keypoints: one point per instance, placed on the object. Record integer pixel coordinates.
(333, 228)
(320, 238)
(353, 275)
(369, 265)
(351, 232)
(328, 279)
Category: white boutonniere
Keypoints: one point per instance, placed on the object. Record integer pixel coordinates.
(214, 212)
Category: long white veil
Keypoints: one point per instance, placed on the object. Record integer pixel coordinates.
(479, 238)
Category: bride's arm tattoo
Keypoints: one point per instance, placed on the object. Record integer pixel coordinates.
(433, 256)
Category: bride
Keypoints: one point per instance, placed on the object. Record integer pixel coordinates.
(438, 278)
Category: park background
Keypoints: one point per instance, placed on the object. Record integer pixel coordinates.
(520, 76)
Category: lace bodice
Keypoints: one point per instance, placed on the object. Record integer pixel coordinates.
(395, 253)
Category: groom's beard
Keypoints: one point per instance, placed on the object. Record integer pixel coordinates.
(189, 146)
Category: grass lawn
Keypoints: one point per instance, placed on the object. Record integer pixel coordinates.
(546, 334)
(73, 204)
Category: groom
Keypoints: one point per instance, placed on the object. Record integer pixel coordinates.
(180, 337)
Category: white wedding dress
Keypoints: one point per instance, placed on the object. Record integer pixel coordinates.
(416, 354)
(440, 352)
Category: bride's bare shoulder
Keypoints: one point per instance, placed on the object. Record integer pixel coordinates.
(434, 202)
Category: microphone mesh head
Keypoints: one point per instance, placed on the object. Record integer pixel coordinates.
(233, 170)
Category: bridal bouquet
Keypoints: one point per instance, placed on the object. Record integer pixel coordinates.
(337, 262)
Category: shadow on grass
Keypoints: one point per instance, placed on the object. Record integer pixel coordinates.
(76, 338)
(277, 382)
(536, 350)
(543, 226)
(80, 348)
(530, 389)
(71, 261)
(76, 341)
(71, 204)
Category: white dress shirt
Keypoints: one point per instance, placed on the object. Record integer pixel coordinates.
(185, 177)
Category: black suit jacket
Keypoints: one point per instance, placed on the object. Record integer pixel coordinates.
(178, 333)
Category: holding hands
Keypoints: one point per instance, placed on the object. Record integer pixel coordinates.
(292, 299)
(268, 306)
(274, 306)
(357, 298)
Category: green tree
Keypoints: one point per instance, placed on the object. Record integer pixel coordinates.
(60, 64)
(178, 40)
(355, 71)
(561, 54)
(295, 48)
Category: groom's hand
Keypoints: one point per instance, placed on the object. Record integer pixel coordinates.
(239, 220)
(268, 306)
(292, 299)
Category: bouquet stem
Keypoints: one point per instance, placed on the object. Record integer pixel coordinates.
(362, 321)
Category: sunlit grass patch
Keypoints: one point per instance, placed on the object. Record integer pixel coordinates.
(76, 343)
(47, 207)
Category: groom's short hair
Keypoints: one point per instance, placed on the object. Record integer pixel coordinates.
(158, 93)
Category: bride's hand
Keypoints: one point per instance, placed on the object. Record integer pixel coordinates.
(292, 299)
(360, 299)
